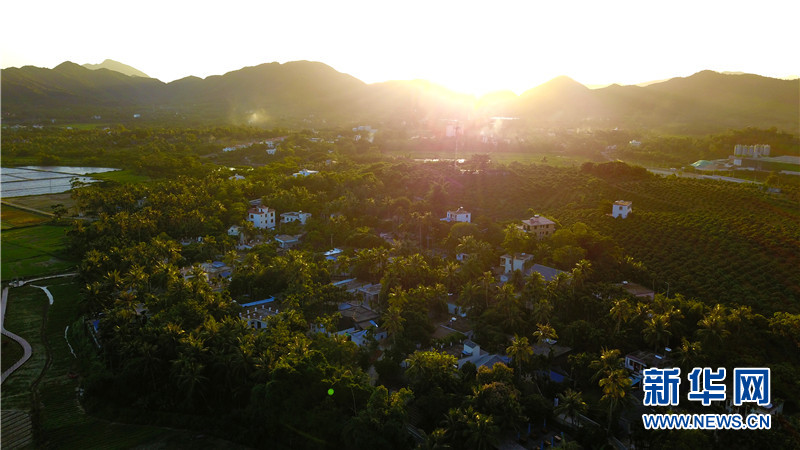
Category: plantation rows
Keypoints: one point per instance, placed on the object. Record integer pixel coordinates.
(719, 242)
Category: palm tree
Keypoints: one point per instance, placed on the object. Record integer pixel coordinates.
(188, 373)
(520, 351)
(571, 404)
(231, 258)
(541, 311)
(467, 244)
(713, 329)
(545, 333)
(738, 318)
(615, 387)
(469, 294)
(580, 273)
(656, 331)
(137, 278)
(95, 297)
(621, 312)
(535, 287)
(486, 280)
(610, 360)
(393, 321)
(482, 432)
(509, 308)
(688, 355)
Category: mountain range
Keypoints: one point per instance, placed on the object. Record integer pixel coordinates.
(117, 66)
(304, 92)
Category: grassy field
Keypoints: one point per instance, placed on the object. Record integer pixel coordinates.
(553, 159)
(61, 421)
(31, 251)
(11, 217)
(121, 176)
(10, 353)
(45, 202)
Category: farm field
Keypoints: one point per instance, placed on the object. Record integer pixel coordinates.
(33, 251)
(45, 202)
(11, 217)
(10, 353)
(552, 159)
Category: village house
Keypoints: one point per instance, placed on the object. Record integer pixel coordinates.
(640, 360)
(555, 354)
(621, 208)
(519, 262)
(356, 321)
(217, 274)
(524, 263)
(256, 313)
(459, 215)
(305, 173)
(540, 227)
(262, 217)
(548, 273)
(332, 255)
(292, 216)
(367, 294)
(286, 241)
(472, 353)
(637, 290)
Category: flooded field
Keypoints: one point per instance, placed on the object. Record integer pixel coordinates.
(38, 180)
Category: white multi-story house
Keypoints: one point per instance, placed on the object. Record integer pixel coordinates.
(262, 217)
(519, 262)
(539, 226)
(621, 208)
(299, 216)
(459, 215)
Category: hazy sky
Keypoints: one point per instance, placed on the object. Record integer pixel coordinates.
(465, 45)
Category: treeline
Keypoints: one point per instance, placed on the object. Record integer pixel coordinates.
(156, 152)
(679, 151)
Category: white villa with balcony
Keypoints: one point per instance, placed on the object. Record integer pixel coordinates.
(262, 217)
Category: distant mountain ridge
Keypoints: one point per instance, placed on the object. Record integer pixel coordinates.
(303, 92)
(117, 66)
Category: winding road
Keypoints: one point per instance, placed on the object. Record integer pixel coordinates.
(26, 347)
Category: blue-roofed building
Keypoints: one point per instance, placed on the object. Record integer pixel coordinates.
(549, 273)
(259, 302)
(475, 355)
(332, 255)
(256, 313)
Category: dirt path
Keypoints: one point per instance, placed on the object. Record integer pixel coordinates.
(27, 208)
